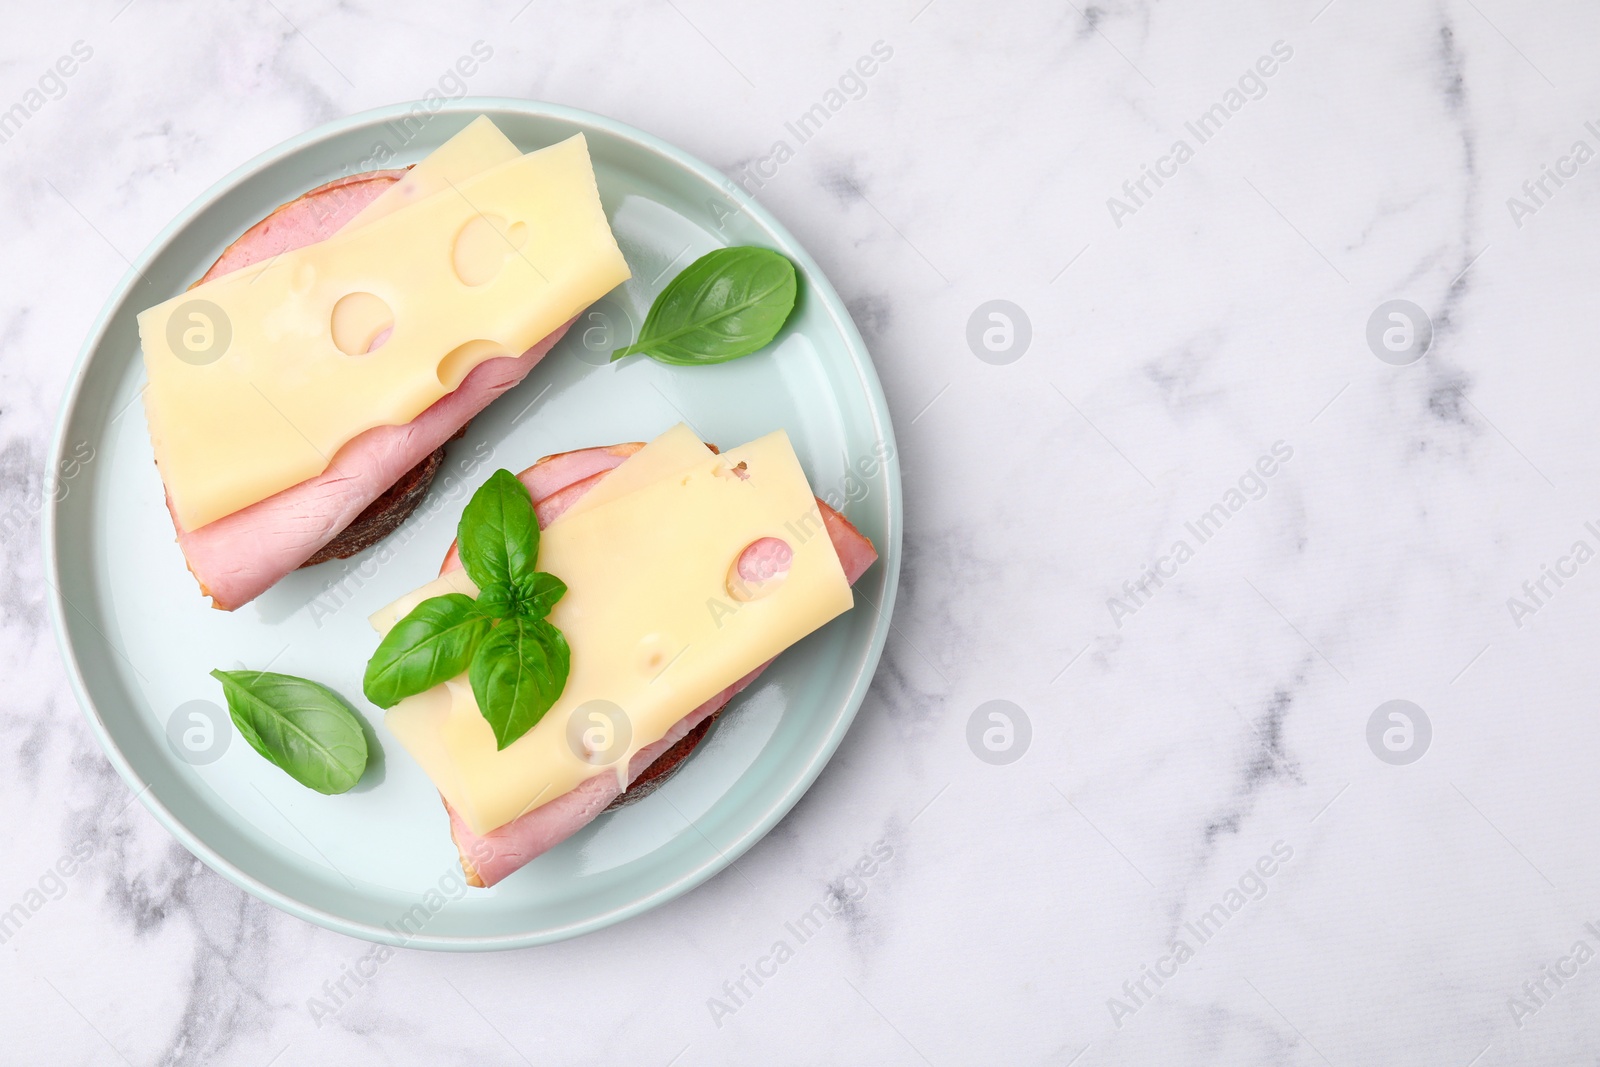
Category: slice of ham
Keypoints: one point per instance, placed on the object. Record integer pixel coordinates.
(303, 221)
(239, 556)
(488, 858)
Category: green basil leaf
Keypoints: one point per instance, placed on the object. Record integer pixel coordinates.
(539, 595)
(517, 673)
(530, 599)
(433, 642)
(726, 304)
(305, 728)
(499, 601)
(498, 536)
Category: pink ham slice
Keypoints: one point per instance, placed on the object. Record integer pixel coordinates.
(488, 858)
(303, 221)
(238, 557)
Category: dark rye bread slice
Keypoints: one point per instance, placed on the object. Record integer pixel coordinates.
(337, 201)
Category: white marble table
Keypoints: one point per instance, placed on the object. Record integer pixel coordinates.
(1199, 858)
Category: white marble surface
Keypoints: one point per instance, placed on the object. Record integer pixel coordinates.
(1226, 714)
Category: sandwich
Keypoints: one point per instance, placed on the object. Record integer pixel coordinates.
(301, 393)
(686, 571)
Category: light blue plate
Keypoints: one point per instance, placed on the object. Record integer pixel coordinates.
(377, 862)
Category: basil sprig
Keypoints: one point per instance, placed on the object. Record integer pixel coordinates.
(516, 661)
(305, 728)
(726, 304)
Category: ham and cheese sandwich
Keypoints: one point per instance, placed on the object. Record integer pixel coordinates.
(508, 807)
(364, 325)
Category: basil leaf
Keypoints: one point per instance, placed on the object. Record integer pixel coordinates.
(539, 595)
(498, 536)
(305, 728)
(517, 673)
(499, 601)
(530, 599)
(726, 304)
(433, 642)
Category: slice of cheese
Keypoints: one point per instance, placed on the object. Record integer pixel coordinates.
(248, 392)
(478, 147)
(676, 450)
(653, 628)
(360, 324)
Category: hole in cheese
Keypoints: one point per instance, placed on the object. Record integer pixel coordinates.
(482, 246)
(460, 360)
(361, 323)
(759, 569)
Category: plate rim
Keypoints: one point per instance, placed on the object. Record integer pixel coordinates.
(821, 288)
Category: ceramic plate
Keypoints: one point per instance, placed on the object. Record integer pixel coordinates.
(139, 640)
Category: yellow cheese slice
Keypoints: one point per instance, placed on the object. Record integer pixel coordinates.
(359, 322)
(479, 146)
(653, 628)
(673, 451)
(676, 450)
(248, 392)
